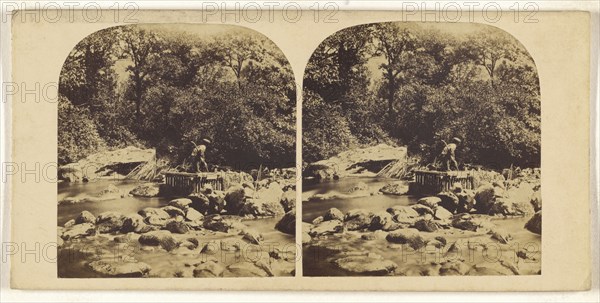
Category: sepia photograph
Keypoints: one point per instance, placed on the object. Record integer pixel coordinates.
(176, 153)
(421, 153)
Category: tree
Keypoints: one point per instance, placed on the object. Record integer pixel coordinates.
(139, 46)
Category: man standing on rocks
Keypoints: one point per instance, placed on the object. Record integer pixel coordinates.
(448, 154)
(199, 155)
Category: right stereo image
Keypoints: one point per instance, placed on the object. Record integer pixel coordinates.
(421, 149)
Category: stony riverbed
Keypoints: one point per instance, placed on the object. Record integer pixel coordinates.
(125, 229)
(350, 227)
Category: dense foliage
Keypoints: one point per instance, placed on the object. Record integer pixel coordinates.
(418, 86)
(162, 88)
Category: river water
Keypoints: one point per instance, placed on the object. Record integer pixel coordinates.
(72, 264)
(317, 259)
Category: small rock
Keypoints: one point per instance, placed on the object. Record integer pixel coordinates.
(181, 203)
(109, 222)
(366, 265)
(318, 220)
(252, 236)
(406, 236)
(78, 231)
(426, 225)
(119, 269)
(431, 202)
(85, 217)
(442, 213)
(395, 189)
(70, 223)
(422, 209)
(193, 215)
(333, 214)
(173, 211)
(208, 270)
(177, 227)
(464, 222)
(161, 238)
(147, 190)
(326, 228)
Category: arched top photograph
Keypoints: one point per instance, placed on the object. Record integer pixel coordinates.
(168, 136)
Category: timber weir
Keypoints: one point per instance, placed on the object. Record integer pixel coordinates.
(438, 181)
(187, 183)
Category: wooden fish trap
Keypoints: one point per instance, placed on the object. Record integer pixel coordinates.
(433, 182)
(187, 183)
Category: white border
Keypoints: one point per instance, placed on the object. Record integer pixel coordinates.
(8, 295)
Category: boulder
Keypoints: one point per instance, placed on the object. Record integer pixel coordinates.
(133, 223)
(426, 225)
(326, 228)
(85, 217)
(464, 222)
(208, 269)
(200, 203)
(357, 219)
(119, 269)
(448, 201)
(485, 198)
(78, 231)
(431, 202)
(181, 203)
(173, 211)
(261, 207)
(370, 265)
(534, 224)
(380, 220)
(222, 224)
(288, 200)
(193, 215)
(234, 199)
(320, 172)
(442, 213)
(403, 214)
(509, 207)
(109, 222)
(410, 237)
(333, 214)
(287, 224)
(162, 238)
(155, 216)
(147, 190)
(395, 189)
(177, 227)
(216, 202)
(466, 201)
(422, 209)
